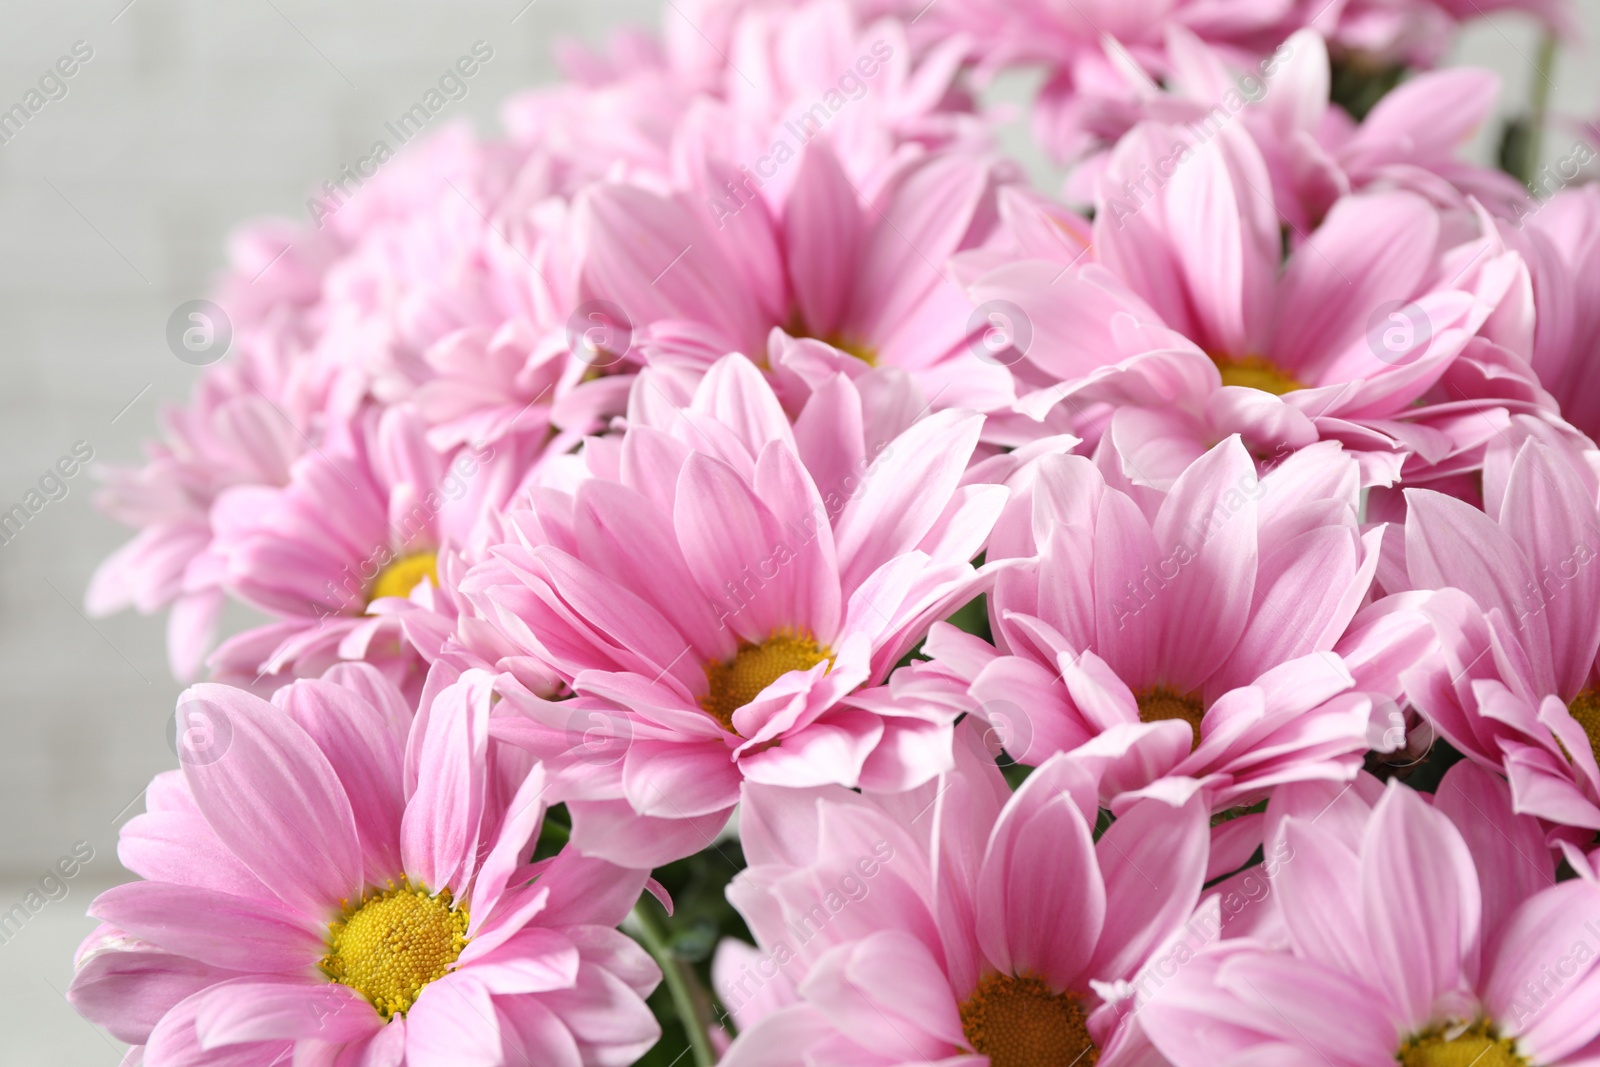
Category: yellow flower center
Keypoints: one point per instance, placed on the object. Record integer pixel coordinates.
(395, 942)
(1020, 1022)
(864, 352)
(402, 576)
(797, 328)
(1256, 372)
(1479, 1045)
(1161, 704)
(1585, 710)
(738, 681)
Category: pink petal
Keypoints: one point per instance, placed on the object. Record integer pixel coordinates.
(250, 1009)
(276, 802)
(452, 1024)
(127, 991)
(822, 234)
(368, 756)
(1045, 907)
(439, 832)
(1420, 902)
(1153, 861)
(886, 991)
(235, 933)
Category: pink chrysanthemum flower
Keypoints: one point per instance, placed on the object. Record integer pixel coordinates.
(956, 924)
(1514, 683)
(1068, 38)
(1314, 151)
(704, 273)
(1428, 936)
(733, 587)
(322, 888)
(361, 520)
(1212, 637)
(1340, 342)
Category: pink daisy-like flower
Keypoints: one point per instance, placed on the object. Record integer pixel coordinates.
(462, 303)
(1211, 637)
(1514, 683)
(732, 588)
(1314, 151)
(1428, 936)
(1068, 38)
(1370, 310)
(957, 924)
(336, 884)
(361, 519)
(861, 269)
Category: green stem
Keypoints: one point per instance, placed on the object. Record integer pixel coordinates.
(681, 983)
(1539, 106)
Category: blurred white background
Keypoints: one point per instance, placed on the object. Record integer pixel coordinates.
(115, 203)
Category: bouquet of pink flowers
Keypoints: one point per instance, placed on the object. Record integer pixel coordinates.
(748, 577)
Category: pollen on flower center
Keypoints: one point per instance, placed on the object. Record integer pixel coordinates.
(395, 942)
(1019, 1022)
(402, 576)
(738, 681)
(1160, 704)
(1477, 1046)
(1256, 372)
(1585, 710)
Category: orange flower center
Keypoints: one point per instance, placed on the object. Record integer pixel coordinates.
(1585, 711)
(1021, 1022)
(738, 681)
(1161, 704)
